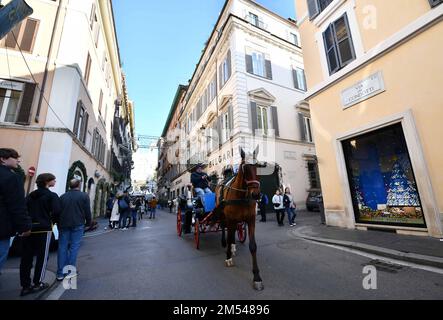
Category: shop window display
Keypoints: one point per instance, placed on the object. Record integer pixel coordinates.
(382, 180)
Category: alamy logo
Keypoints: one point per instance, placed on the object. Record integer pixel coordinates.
(70, 281)
(370, 281)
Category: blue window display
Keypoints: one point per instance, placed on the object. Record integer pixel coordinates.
(381, 179)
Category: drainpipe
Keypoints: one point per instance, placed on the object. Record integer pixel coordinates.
(45, 76)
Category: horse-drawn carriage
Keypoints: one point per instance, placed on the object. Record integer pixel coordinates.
(195, 217)
(231, 208)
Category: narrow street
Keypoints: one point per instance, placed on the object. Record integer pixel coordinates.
(151, 262)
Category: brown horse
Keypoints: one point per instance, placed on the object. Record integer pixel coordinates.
(236, 203)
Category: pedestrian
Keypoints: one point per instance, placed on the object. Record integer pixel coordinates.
(153, 208)
(75, 211)
(133, 207)
(263, 202)
(277, 200)
(142, 209)
(109, 206)
(170, 205)
(288, 201)
(44, 210)
(124, 210)
(13, 214)
(115, 214)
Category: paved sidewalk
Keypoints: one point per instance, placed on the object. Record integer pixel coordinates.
(416, 249)
(10, 284)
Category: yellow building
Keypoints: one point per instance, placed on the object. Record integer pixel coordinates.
(374, 70)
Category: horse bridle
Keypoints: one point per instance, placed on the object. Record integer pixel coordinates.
(249, 183)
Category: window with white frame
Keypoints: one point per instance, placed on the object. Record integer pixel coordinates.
(225, 127)
(263, 119)
(293, 38)
(305, 127)
(258, 63)
(299, 78)
(16, 99)
(225, 69)
(9, 102)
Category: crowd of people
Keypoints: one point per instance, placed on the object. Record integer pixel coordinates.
(124, 211)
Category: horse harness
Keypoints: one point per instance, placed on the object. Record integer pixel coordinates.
(237, 202)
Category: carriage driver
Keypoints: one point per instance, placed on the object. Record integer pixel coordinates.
(199, 180)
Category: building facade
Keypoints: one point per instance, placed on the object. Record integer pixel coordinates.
(61, 88)
(243, 94)
(372, 67)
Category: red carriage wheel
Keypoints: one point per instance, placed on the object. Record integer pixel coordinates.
(179, 222)
(241, 232)
(197, 234)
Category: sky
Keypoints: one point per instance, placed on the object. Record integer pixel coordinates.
(161, 41)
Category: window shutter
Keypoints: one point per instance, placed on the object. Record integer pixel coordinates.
(254, 124)
(231, 121)
(220, 76)
(305, 86)
(268, 69)
(313, 8)
(294, 75)
(229, 64)
(25, 108)
(28, 35)
(213, 135)
(77, 118)
(301, 121)
(331, 50)
(85, 127)
(249, 68)
(219, 131)
(10, 40)
(434, 3)
(88, 68)
(93, 142)
(215, 86)
(345, 46)
(275, 121)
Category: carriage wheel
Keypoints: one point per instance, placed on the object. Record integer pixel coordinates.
(179, 222)
(197, 234)
(241, 232)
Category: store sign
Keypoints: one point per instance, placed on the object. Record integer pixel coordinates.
(221, 158)
(11, 85)
(363, 90)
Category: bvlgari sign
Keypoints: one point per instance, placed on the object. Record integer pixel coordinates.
(363, 90)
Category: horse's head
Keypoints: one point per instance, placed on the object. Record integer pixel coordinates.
(249, 169)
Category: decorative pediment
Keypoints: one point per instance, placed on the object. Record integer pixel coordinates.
(210, 118)
(303, 107)
(225, 100)
(261, 94)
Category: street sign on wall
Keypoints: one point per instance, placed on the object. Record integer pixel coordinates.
(12, 14)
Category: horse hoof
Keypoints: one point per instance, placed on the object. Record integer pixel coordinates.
(229, 263)
(258, 286)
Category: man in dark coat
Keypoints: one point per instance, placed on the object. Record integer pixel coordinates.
(75, 211)
(44, 210)
(13, 214)
(199, 181)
